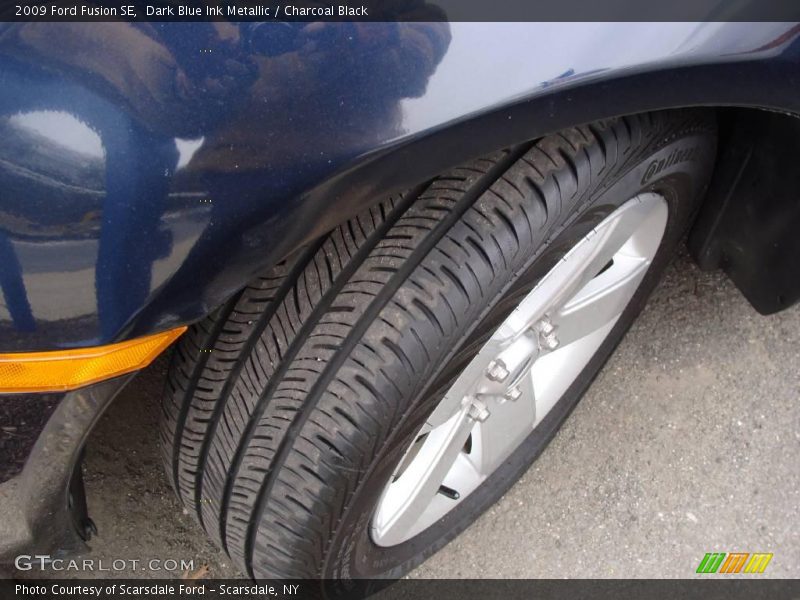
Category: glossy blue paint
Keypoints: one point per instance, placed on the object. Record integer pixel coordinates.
(147, 172)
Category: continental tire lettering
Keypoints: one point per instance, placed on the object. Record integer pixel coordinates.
(678, 155)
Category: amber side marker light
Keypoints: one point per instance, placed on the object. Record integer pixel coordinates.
(62, 370)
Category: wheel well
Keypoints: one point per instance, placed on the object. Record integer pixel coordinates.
(745, 225)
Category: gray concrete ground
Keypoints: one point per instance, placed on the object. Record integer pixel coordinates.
(687, 443)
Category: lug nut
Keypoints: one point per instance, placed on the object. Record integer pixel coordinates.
(550, 341)
(547, 334)
(546, 327)
(497, 370)
(478, 412)
(513, 394)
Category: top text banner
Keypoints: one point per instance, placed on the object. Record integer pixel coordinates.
(399, 10)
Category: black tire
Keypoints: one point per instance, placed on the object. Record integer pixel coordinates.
(287, 410)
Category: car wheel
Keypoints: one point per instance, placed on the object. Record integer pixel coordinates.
(359, 405)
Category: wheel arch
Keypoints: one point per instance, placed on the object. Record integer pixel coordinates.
(755, 119)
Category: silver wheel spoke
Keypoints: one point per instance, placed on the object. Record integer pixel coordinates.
(423, 478)
(580, 265)
(601, 300)
(463, 386)
(510, 423)
(634, 238)
(522, 371)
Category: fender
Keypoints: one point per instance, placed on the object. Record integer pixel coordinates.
(144, 182)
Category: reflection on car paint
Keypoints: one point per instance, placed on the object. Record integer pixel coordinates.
(147, 171)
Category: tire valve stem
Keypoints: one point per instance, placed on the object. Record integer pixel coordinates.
(449, 492)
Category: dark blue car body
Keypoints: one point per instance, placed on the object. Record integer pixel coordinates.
(149, 171)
